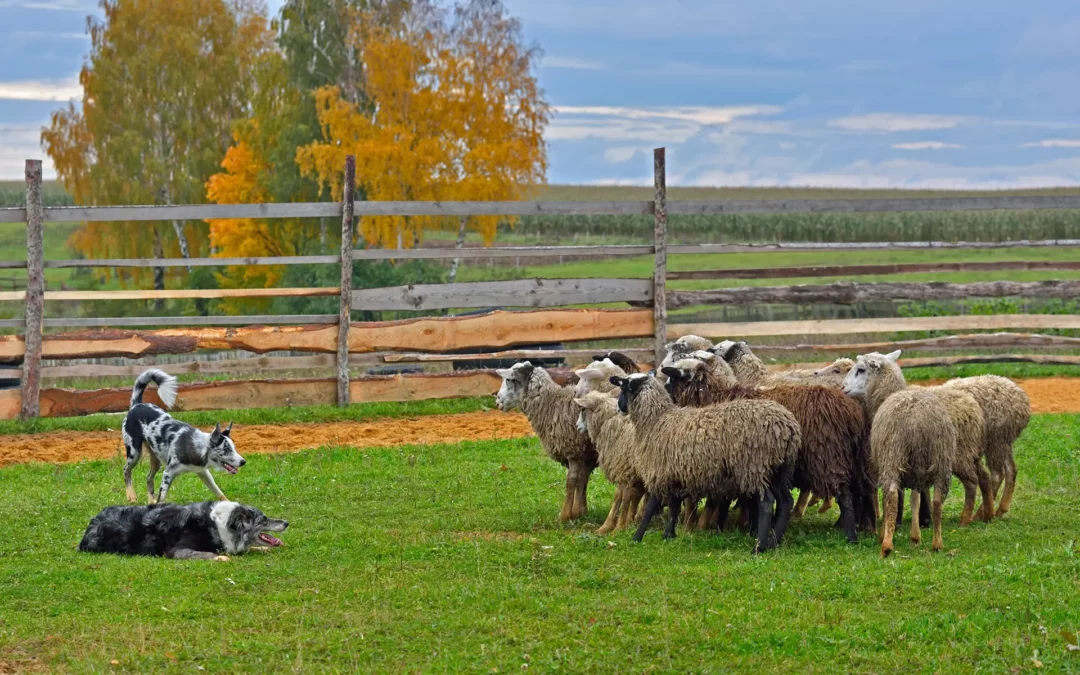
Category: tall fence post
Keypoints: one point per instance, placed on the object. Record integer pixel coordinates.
(660, 260)
(348, 195)
(35, 291)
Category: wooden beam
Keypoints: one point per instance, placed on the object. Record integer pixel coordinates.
(345, 286)
(850, 293)
(243, 366)
(858, 326)
(869, 270)
(947, 361)
(869, 246)
(196, 262)
(659, 280)
(179, 294)
(106, 214)
(969, 341)
(242, 320)
(35, 291)
(576, 355)
(499, 252)
(888, 205)
(516, 293)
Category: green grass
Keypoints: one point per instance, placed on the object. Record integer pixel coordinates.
(357, 412)
(450, 559)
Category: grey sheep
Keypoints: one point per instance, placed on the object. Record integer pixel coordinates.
(553, 416)
(613, 436)
(1007, 410)
(742, 448)
(912, 441)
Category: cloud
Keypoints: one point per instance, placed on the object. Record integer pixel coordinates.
(928, 145)
(894, 122)
(618, 155)
(42, 90)
(703, 115)
(50, 35)
(18, 144)
(645, 125)
(1054, 143)
(571, 63)
(51, 5)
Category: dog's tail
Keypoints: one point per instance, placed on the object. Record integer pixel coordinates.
(166, 387)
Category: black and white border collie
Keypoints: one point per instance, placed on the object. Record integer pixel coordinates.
(179, 447)
(200, 531)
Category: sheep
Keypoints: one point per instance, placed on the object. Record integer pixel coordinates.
(833, 428)
(597, 377)
(833, 374)
(687, 344)
(1007, 410)
(613, 436)
(553, 416)
(619, 359)
(913, 441)
(743, 448)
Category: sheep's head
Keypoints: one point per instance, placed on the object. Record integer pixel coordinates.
(621, 360)
(687, 369)
(867, 366)
(515, 381)
(841, 366)
(629, 388)
(730, 351)
(687, 344)
(588, 403)
(597, 377)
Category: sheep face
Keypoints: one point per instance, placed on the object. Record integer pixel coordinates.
(685, 369)
(629, 388)
(515, 382)
(684, 346)
(587, 403)
(591, 378)
(837, 367)
(730, 351)
(857, 382)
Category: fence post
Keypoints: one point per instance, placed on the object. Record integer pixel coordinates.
(35, 291)
(660, 260)
(345, 306)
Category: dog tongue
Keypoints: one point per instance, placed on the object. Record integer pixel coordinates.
(230, 468)
(270, 539)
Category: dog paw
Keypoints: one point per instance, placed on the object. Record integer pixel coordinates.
(259, 549)
(222, 558)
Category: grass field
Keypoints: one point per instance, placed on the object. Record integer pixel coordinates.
(450, 558)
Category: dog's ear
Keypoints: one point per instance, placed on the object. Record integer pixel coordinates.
(216, 433)
(228, 429)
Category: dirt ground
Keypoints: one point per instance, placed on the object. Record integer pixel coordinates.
(1048, 395)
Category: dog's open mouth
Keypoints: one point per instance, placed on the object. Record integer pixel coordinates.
(228, 467)
(269, 539)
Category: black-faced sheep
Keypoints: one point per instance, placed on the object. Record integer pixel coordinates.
(832, 455)
(1007, 410)
(912, 440)
(619, 359)
(683, 347)
(613, 436)
(744, 448)
(553, 416)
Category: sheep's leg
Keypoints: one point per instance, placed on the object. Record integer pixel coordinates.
(630, 498)
(1010, 486)
(568, 501)
(985, 511)
(689, 513)
(888, 523)
(674, 504)
(924, 510)
(940, 492)
(743, 519)
(814, 500)
(877, 506)
(650, 510)
(613, 514)
(764, 522)
(825, 505)
(916, 531)
(969, 479)
(710, 516)
(784, 505)
(899, 506)
(722, 509)
(581, 492)
(847, 515)
(635, 504)
(800, 506)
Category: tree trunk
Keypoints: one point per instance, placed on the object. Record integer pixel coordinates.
(322, 234)
(460, 243)
(178, 228)
(159, 272)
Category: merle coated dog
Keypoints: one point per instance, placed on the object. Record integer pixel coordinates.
(179, 447)
(200, 531)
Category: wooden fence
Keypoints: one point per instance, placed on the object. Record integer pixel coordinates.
(335, 341)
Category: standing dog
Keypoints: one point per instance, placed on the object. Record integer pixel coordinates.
(179, 447)
(202, 531)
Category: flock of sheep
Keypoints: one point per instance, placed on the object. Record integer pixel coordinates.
(715, 425)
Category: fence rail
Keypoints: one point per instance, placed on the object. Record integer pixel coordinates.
(335, 341)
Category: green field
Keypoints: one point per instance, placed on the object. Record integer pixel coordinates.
(450, 558)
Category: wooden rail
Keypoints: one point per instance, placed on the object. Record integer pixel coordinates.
(519, 293)
(870, 270)
(180, 294)
(870, 326)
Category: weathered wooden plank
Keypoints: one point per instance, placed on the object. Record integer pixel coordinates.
(499, 252)
(947, 361)
(196, 262)
(659, 280)
(243, 320)
(35, 291)
(969, 341)
(13, 215)
(869, 246)
(849, 292)
(243, 366)
(516, 293)
(345, 287)
(857, 326)
(105, 214)
(179, 294)
(870, 270)
(890, 205)
(12, 264)
(576, 355)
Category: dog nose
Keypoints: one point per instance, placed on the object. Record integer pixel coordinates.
(243, 462)
(286, 523)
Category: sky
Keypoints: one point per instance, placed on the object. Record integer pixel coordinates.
(841, 93)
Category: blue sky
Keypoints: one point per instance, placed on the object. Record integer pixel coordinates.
(776, 92)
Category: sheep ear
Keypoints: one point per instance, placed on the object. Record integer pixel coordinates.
(617, 381)
(704, 355)
(504, 373)
(892, 356)
(671, 372)
(589, 373)
(598, 357)
(581, 403)
(527, 367)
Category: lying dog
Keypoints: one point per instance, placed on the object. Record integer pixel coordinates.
(179, 447)
(200, 531)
